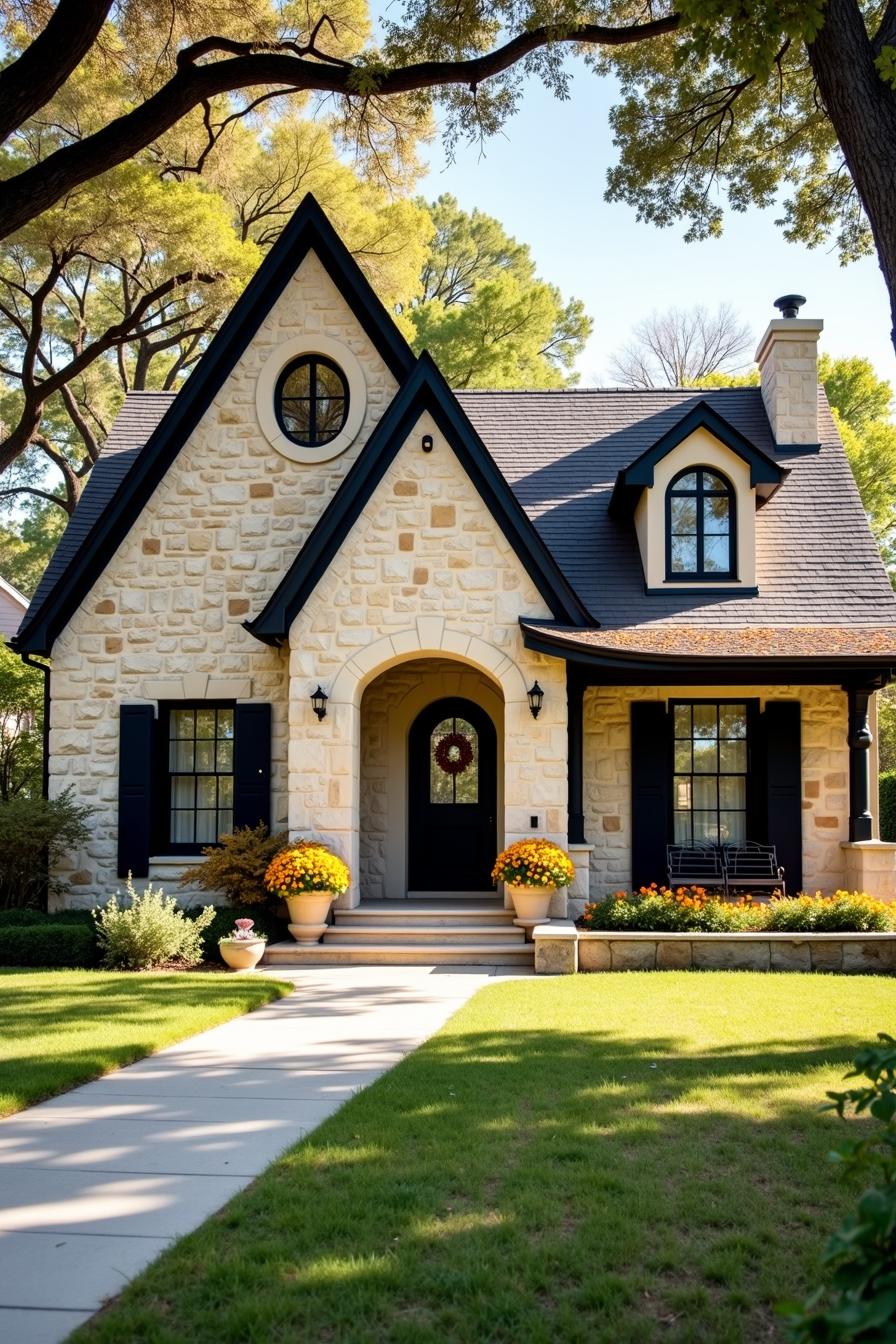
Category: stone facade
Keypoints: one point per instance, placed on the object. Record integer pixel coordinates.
(788, 364)
(164, 621)
(825, 768)
(863, 954)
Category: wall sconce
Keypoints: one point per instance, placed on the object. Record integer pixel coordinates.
(426, 443)
(319, 700)
(536, 699)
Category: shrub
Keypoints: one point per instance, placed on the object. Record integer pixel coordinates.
(31, 831)
(149, 931)
(857, 1298)
(888, 805)
(534, 863)
(656, 909)
(236, 867)
(307, 866)
(48, 943)
(221, 925)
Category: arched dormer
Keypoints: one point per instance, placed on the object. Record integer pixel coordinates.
(693, 498)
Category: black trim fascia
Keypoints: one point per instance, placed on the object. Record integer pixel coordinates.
(425, 390)
(677, 588)
(308, 230)
(638, 475)
(796, 449)
(646, 669)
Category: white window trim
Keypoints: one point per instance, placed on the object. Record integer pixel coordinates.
(266, 387)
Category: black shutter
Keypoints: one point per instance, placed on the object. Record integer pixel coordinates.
(136, 756)
(783, 787)
(650, 791)
(252, 765)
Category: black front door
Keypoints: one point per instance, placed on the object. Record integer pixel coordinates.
(452, 803)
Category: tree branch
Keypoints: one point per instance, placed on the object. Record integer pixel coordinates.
(29, 82)
(886, 30)
(33, 191)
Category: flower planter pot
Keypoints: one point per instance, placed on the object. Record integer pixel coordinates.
(531, 902)
(308, 915)
(242, 954)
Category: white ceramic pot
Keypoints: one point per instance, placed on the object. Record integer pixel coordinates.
(243, 954)
(531, 902)
(308, 915)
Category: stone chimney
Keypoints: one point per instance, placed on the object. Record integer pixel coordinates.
(788, 368)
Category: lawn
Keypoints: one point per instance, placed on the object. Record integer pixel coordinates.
(603, 1158)
(61, 1028)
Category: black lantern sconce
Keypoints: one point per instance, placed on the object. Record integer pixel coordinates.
(319, 700)
(536, 699)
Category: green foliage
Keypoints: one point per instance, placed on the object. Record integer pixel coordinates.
(27, 543)
(266, 922)
(887, 786)
(485, 317)
(149, 931)
(33, 831)
(857, 1298)
(50, 943)
(691, 910)
(21, 727)
(237, 865)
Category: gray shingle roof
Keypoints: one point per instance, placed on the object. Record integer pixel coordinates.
(817, 561)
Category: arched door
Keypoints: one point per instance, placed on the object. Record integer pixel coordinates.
(452, 807)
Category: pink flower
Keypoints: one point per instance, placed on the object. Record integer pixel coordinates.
(243, 927)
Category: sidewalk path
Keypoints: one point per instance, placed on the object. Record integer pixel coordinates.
(96, 1183)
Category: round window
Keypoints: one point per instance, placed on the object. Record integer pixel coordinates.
(311, 400)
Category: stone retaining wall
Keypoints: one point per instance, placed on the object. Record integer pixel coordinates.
(561, 949)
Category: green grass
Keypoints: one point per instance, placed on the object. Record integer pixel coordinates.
(607, 1158)
(61, 1028)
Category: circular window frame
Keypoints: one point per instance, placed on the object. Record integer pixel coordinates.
(318, 362)
(267, 411)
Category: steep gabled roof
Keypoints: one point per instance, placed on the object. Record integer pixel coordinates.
(765, 474)
(424, 390)
(120, 489)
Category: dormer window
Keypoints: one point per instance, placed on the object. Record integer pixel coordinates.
(700, 526)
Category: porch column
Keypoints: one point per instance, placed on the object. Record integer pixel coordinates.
(859, 738)
(575, 696)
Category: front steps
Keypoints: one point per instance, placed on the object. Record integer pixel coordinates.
(413, 933)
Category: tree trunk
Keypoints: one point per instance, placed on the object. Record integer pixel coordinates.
(862, 109)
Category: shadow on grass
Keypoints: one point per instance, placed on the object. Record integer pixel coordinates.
(526, 1185)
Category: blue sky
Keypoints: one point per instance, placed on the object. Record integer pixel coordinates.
(544, 178)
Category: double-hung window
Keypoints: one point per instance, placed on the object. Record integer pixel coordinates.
(196, 801)
(709, 781)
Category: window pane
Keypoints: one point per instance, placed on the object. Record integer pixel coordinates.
(298, 383)
(182, 722)
(733, 792)
(682, 720)
(205, 723)
(225, 723)
(733, 720)
(715, 514)
(706, 827)
(683, 756)
(683, 514)
(329, 383)
(206, 828)
(205, 756)
(733, 756)
(225, 823)
(706, 758)
(180, 757)
(466, 785)
(688, 482)
(330, 417)
(225, 755)
(296, 417)
(706, 721)
(706, 792)
(225, 791)
(733, 828)
(682, 828)
(182, 828)
(716, 555)
(684, 555)
(182, 791)
(683, 793)
(711, 482)
(206, 791)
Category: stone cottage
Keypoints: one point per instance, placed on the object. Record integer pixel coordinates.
(655, 616)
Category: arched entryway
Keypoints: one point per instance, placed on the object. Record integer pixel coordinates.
(452, 798)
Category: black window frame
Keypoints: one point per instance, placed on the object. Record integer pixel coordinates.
(163, 842)
(753, 768)
(314, 361)
(700, 574)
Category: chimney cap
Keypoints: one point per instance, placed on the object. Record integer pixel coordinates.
(790, 304)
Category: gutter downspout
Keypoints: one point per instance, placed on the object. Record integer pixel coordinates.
(45, 669)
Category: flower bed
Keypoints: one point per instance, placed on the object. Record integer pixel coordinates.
(656, 909)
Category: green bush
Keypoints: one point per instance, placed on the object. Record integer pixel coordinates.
(223, 922)
(31, 831)
(857, 1298)
(887, 782)
(690, 910)
(49, 944)
(236, 867)
(148, 931)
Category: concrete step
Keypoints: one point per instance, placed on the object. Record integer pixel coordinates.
(429, 936)
(398, 914)
(407, 954)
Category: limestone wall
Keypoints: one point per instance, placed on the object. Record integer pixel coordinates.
(165, 619)
(825, 768)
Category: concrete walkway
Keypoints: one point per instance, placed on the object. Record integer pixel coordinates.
(98, 1182)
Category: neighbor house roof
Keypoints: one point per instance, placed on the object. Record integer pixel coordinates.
(822, 585)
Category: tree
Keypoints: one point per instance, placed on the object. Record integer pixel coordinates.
(681, 346)
(21, 723)
(741, 97)
(484, 315)
(26, 547)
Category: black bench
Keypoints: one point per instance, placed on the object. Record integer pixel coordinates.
(696, 866)
(753, 865)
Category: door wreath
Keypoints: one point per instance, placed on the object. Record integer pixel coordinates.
(454, 754)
